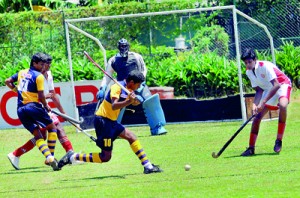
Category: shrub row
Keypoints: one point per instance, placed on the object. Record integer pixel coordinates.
(191, 75)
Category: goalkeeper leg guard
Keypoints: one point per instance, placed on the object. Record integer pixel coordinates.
(154, 115)
(122, 111)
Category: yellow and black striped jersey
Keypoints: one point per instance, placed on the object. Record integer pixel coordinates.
(30, 81)
(105, 109)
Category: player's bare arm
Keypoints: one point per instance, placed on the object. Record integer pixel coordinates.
(10, 83)
(258, 95)
(273, 90)
(116, 104)
(56, 101)
(42, 99)
(49, 95)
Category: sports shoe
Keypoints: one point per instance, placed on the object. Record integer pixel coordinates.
(47, 163)
(53, 163)
(155, 169)
(77, 162)
(14, 160)
(277, 146)
(248, 152)
(66, 159)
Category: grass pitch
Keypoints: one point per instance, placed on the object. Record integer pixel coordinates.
(264, 175)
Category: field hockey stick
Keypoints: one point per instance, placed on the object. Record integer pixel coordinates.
(66, 117)
(214, 155)
(81, 130)
(96, 64)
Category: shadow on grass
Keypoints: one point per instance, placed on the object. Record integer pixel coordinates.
(102, 177)
(148, 136)
(255, 155)
(26, 170)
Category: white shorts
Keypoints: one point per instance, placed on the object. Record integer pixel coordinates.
(54, 118)
(284, 91)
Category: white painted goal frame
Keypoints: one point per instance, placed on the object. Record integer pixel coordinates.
(69, 24)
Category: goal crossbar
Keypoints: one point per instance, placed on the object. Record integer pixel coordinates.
(146, 14)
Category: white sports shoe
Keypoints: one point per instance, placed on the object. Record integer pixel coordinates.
(14, 160)
(77, 162)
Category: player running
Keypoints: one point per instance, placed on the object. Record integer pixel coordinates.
(273, 90)
(31, 112)
(123, 63)
(50, 93)
(108, 128)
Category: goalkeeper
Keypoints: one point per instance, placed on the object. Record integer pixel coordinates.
(122, 63)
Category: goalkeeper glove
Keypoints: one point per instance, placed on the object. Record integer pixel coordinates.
(139, 98)
(101, 93)
(140, 89)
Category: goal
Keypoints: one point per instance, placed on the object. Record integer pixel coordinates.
(178, 30)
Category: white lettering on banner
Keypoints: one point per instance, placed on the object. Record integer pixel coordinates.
(85, 92)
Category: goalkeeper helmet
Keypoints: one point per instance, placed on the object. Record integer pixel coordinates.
(123, 47)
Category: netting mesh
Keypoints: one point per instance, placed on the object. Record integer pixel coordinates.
(18, 34)
(252, 35)
(191, 36)
(186, 30)
(203, 41)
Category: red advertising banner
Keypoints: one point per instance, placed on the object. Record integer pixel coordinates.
(85, 92)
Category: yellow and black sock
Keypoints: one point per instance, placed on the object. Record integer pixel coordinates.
(42, 146)
(52, 137)
(91, 157)
(140, 153)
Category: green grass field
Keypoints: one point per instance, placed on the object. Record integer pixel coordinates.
(264, 175)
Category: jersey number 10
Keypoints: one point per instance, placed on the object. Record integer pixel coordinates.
(107, 142)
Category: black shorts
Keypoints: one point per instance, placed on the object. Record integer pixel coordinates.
(107, 131)
(33, 114)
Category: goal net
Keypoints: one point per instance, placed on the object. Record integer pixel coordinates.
(196, 47)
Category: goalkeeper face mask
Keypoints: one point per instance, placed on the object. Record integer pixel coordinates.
(123, 47)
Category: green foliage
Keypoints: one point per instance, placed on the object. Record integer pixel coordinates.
(82, 70)
(281, 17)
(211, 39)
(9, 6)
(9, 69)
(14, 6)
(205, 75)
(288, 59)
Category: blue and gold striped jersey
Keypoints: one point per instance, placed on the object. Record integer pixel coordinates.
(105, 109)
(30, 81)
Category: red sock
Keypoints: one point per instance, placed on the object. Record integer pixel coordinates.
(281, 128)
(252, 139)
(24, 149)
(66, 144)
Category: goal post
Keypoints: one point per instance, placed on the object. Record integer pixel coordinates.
(160, 33)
